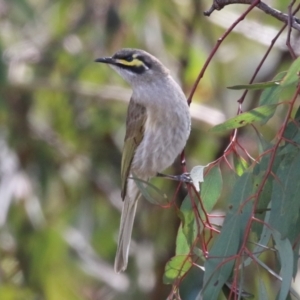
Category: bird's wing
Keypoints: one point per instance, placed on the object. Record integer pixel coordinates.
(135, 123)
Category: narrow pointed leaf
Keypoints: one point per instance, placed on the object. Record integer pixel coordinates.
(259, 114)
(271, 95)
(187, 228)
(182, 245)
(285, 195)
(293, 74)
(240, 164)
(176, 268)
(219, 266)
(254, 86)
(262, 291)
(211, 188)
(286, 259)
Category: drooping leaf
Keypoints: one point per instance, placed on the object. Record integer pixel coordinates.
(262, 291)
(211, 189)
(271, 95)
(293, 74)
(187, 232)
(176, 267)
(262, 244)
(240, 164)
(210, 192)
(182, 245)
(292, 135)
(285, 195)
(285, 252)
(259, 114)
(263, 207)
(293, 235)
(219, 266)
(291, 146)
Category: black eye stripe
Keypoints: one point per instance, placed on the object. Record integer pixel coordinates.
(128, 58)
(134, 69)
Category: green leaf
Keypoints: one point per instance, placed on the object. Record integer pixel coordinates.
(210, 192)
(182, 245)
(263, 208)
(240, 164)
(262, 244)
(262, 291)
(176, 267)
(285, 195)
(187, 232)
(292, 133)
(286, 258)
(272, 94)
(219, 266)
(211, 189)
(293, 236)
(288, 147)
(259, 114)
(254, 86)
(293, 74)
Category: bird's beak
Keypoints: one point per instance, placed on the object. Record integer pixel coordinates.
(106, 60)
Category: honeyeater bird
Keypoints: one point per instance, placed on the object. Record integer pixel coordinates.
(157, 128)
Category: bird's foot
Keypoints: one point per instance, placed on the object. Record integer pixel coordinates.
(185, 177)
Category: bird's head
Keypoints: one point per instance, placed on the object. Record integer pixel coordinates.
(136, 66)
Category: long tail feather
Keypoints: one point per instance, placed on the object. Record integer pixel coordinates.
(126, 225)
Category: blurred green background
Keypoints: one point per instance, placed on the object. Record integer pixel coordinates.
(62, 120)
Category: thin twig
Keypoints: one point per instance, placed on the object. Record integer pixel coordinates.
(216, 47)
(220, 4)
(288, 39)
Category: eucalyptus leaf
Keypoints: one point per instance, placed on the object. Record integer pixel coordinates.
(211, 189)
(285, 195)
(221, 261)
(176, 267)
(285, 252)
(240, 164)
(272, 94)
(254, 86)
(293, 74)
(259, 114)
(188, 231)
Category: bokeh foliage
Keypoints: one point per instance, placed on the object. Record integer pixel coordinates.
(61, 133)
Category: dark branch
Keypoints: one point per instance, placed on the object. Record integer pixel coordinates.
(219, 4)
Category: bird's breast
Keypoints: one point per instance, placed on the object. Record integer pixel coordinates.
(166, 132)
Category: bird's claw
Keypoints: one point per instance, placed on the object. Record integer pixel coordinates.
(185, 177)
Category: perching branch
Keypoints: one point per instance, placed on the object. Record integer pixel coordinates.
(285, 18)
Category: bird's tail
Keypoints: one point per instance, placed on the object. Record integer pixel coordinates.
(127, 219)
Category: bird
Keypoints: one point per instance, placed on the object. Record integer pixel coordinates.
(158, 125)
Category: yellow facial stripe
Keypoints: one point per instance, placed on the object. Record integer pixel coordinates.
(134, 63)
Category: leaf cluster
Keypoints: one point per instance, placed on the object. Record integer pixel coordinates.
(262, 215)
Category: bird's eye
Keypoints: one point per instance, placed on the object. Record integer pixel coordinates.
(129, 58)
